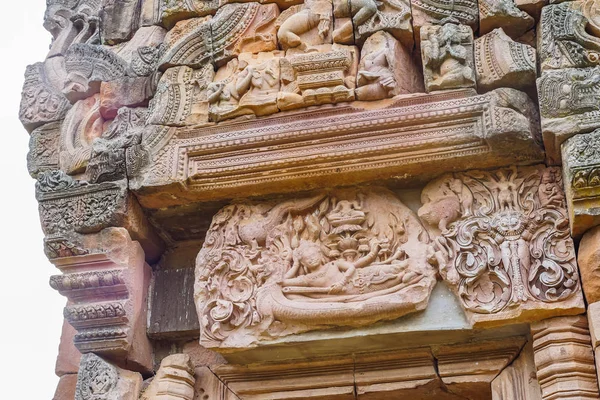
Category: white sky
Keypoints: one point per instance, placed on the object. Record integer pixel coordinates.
(30, 311)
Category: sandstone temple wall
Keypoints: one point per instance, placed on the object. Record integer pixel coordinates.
(321, 199)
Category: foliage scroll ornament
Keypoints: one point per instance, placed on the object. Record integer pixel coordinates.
(345, 258)
(503, 237)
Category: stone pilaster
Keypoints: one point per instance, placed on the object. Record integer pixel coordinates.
(564, 358)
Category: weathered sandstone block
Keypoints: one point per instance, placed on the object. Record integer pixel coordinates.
(107, 289)
(99, 380)
(502, 62)
(120, 19)
(564, 358)
(43, 149)
(433, 12)
(581, 171)
(65, 389)
(517, 381)
(409, 140)
(303, 26)
(169, 12)
(174, 380)
(369, 17)
(386, 69)
(447, 53)
(503, 243)
(124, 92)
(503, 14)
(589, 261)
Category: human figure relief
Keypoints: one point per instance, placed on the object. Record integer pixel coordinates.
(297, 22)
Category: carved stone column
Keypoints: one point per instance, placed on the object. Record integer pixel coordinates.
(564, 358)
(517, 381)
(106, 281)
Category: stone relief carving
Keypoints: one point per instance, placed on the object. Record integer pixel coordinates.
(247, 85)
(72, 22)
(503, 243)
(168, 12)
(564, 40)
(99, 380)
(581, 170)
(173, 380)
(386, 69)
(303, 26)
(427, 12)
(43, 149)
(447, 53)
(345, 258)
(189, 43)
(41, 102)
(363, 18)
(502, 62)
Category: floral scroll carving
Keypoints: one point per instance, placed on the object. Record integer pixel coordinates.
(346, 258)
(503, 243)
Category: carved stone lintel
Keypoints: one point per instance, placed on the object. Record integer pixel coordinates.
(99, 380)
(581, 171)
(332, 259)
(494, 129)
(503, 243)
(569, 104)
(107, 285)
(502, 62)
(447, 53)
(564, 358)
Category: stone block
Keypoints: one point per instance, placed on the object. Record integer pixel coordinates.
(107, 290)
(305, 25)
(168, 13)
(99, 379)
(569, 104)
(593, 316)
(391, 16)
(502, 62)
(503, 14)
(518, 380)
(581, 171)
(564, 358)
(174, 380)
(172, 308)
(66, 387)
(386, 69)
(43, 149)
(589, 264)
(124, 92)
(120, 19)
(496, 236)
(435, 12)
(69, 357)
(447, 54)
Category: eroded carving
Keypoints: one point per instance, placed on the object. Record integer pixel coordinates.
(43, 149)
(447, 53)
(386, 69)
(346, 258)
(426, 12)
(502, 62)
(503, 14)
(173, 380)
(305, 26)
(72, 22)
(504, 244)
(99, 380)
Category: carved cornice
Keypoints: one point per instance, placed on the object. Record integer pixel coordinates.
(413, 137)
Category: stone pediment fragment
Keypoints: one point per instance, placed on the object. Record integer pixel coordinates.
(169, 12)
(503, 243)
(431, 12)
(581, 171)
(346, 258)
(502, 62)
(410, 140)
(503, 14)
(72, 22)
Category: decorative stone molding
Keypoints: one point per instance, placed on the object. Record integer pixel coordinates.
(564, 40)
(167, 13)
(345, 258)
(569, 104)
(107, 288)
(502, 62)
(412, 138)
(428, 12)
(174, 380)
(581, 171)
(447, 53)
(503, 243)
(99, 380)
(564, 358)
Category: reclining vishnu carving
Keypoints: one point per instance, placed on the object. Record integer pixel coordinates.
(344, 258)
